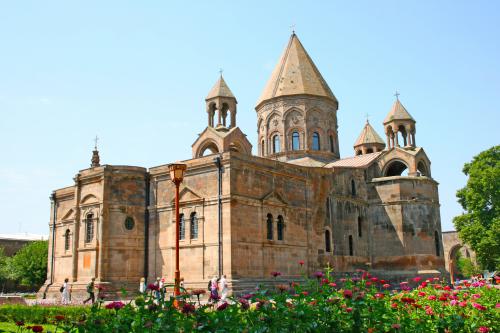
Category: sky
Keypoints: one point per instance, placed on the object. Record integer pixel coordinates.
(136, 73)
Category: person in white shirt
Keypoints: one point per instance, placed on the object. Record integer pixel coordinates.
(223, 288)
(65, 292)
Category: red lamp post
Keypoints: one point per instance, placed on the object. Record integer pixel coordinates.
(176, 175)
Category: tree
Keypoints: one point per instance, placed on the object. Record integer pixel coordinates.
(479, 226)
(29, 265)
(466, 267)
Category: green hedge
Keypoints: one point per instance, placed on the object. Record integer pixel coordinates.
(41, 314)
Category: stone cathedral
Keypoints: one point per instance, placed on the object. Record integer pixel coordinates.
(296, 200)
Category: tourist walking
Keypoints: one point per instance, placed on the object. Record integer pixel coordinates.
(90, 291)
(214, 295)
(65, 292)
(223, 288)
(142, 285)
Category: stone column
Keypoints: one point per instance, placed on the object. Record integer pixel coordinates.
(395, 133)
(233, 118)
(408, 137)
(413, 139)
(388, 140)
(76, 231)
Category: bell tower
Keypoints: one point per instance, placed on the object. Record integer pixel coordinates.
(399, 121)
(368, 141)
(221, 102)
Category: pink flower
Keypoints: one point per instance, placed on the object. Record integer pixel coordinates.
(115, 305)
(428, 310)
(476, 296)
(318, 275)
(454, 302)
(396, 326)
(483, 329)
(222, 307)
(386, 285)
(497, 305)
(332, 284)
(368, 283)
(431, 297)
(374, 279)
(379, 295)
(301, 262)
(462, 304)
(479, 306)
(275, 274)
(417, 279)
(348, 310)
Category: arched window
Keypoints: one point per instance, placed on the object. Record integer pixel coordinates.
(353, 187)
(351, 249)
(66, 240)
(182, 227)
(269, 224)
(360, 226)
(315, 143)
(396, 168)
(281, 227)
(193, 226)
(328, 242)
(276, 144)
(369, 151)
(436, 241)
(332, 146)
(295, 141)
(262, 152)
(359, 152)
(89, 228)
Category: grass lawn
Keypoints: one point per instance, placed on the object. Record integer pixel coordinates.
(11, 327)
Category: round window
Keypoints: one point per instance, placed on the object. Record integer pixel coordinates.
(129, 223)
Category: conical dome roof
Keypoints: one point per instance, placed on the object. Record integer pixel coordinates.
(398, 112)
(368, 136)
(295, 74)
(220, 89)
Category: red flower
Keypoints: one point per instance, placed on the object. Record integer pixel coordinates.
(408, 300)
(332, 284)
(222, 307)
(37, 328)
(275, 274)
(301, 262)
(20, 323)
(153, 286)
(386, 285)
(318, 275)
(483, 329)
(244, 304)
(421, 294)
(379, 295)
(448, 288)
(417, 279)
(305, 293)
(394, 305)
(59, 317)
(374, 279)
(429, 311)
(115, 305)
(314, 302)
(431, 297)
(462, 304)
(443, 298)
(348, 310)
(347, 293)
(188, 308)
(479, 306)
(368, 283)
(396, 326)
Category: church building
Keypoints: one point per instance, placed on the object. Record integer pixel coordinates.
(295, 201)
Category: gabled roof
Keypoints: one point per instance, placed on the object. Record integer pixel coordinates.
(307, 161)
(295, 74)
(398, 112)
(368, 135)
(359, 161)
(220, 89)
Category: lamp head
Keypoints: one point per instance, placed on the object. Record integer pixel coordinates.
(177, 172)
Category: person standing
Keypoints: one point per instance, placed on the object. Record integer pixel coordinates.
(214, 295)
(90, 291)
(223, 288)
(65, 292)
(142, 285)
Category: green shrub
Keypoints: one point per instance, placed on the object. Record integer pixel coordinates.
(41, 314)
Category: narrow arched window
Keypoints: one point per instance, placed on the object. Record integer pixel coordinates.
(328, 208)
(66, 239)
(276, 144)
(332, 146)
(360, 226)
(269, 224)
(328, 243)
(436, 240)
(193, 226)
(315, 143)
(182, 227)
(351, 248)
(353, 187)
(262, 152)
(281, 227)
(295, 141)
(89, 228)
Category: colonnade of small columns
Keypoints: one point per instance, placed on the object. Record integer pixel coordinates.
(393, 140)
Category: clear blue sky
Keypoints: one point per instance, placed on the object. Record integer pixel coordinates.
(136, 74)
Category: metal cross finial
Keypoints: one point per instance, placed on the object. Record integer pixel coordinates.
(220, 71)
(293, 28)
(397, 95)
(95, 142)
(367, 117)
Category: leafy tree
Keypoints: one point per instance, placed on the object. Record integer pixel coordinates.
(479, 226)
(29, 265)
(466, 267)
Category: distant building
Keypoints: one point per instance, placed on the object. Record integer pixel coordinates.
(11, 243)
(297, 200)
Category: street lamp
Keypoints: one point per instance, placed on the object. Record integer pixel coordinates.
(176, 175)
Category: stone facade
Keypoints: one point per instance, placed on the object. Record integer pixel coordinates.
(295, 201)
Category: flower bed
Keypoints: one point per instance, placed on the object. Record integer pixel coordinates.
(321, 304)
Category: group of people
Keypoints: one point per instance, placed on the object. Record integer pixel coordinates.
(66, 290)
(218, 288)
(159, 287)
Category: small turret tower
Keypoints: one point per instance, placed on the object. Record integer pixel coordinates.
(95, 161)
(399, 121)
(368, 141)
(221, 100)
